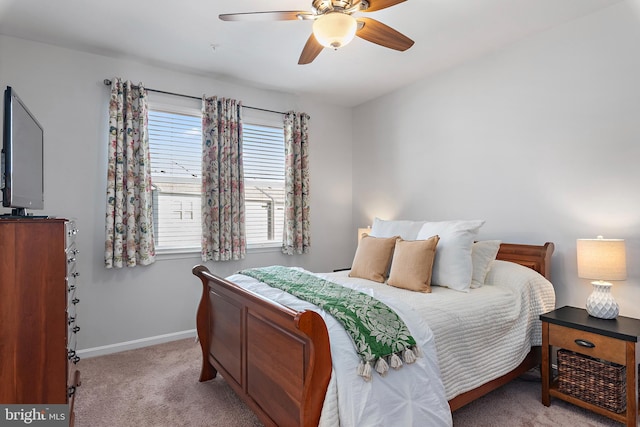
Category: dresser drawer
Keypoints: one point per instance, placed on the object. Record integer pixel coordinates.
(72, 337)
(72, 253)
(72, 299)
(70, 231)
(72, 326)
(72, 380)
(590, 344)
(72, 279)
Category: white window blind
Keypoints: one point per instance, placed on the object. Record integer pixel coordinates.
(176, 169)
(263, 156)
(176, 151)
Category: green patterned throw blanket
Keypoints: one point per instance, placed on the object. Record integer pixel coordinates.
(381, 338)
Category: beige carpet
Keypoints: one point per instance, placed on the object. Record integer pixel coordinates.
(158, 386)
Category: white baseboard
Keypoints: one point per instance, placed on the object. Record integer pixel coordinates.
(131, 345)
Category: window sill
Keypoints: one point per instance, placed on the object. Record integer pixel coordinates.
(263, 248)
(187, 253)
(177, 253)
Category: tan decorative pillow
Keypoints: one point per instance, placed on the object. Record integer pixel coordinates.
(373, 257)
(412, 264)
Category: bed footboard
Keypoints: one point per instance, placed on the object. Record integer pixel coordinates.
(276, 359)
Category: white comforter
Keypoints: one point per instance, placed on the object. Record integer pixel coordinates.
(467, 339)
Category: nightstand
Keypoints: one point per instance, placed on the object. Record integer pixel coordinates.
(614, 340)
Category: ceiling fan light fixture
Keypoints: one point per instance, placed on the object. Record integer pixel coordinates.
(335, 29)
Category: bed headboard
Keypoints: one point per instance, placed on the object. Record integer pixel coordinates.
(532, 256)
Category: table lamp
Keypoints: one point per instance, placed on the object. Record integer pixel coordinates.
(602, 259)
(362, 231)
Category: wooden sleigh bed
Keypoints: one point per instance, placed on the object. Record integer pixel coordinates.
(242, 334)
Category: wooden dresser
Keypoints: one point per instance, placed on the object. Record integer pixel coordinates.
(37, 312)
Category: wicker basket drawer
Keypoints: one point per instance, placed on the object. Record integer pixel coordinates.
(591, 380)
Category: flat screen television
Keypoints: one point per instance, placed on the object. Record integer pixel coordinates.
(22, 157)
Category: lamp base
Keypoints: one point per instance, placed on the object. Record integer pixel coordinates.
(601, 303)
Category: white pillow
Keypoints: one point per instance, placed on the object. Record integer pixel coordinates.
(453, 266)
(408, 230)
(482, 254)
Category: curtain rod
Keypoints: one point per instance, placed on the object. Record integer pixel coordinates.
(107, 82)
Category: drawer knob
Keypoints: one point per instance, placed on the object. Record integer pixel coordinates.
(75, 329)
(75, 301)
(585, 343)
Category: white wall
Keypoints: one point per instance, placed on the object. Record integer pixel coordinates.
(64, 90)
(542, 140)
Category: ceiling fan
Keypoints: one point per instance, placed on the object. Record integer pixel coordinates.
(334, 25)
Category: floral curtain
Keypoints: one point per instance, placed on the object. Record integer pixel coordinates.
(296, 233)
(129, 217)
(223, 228)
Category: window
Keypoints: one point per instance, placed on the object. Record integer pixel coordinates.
(175, 144)
(176, 150)
(263, 157)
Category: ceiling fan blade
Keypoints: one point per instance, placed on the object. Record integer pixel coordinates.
(311, 49)
(285, 15)
(379, 33)
(381, 4)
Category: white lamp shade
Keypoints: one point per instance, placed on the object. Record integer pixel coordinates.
(602, 259)
(335, 29)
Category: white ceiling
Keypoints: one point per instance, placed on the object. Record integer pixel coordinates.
(180, 35)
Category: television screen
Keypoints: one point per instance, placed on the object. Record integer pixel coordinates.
(23, 139)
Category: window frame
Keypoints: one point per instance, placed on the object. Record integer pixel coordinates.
(265, 119)
(249, 116)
